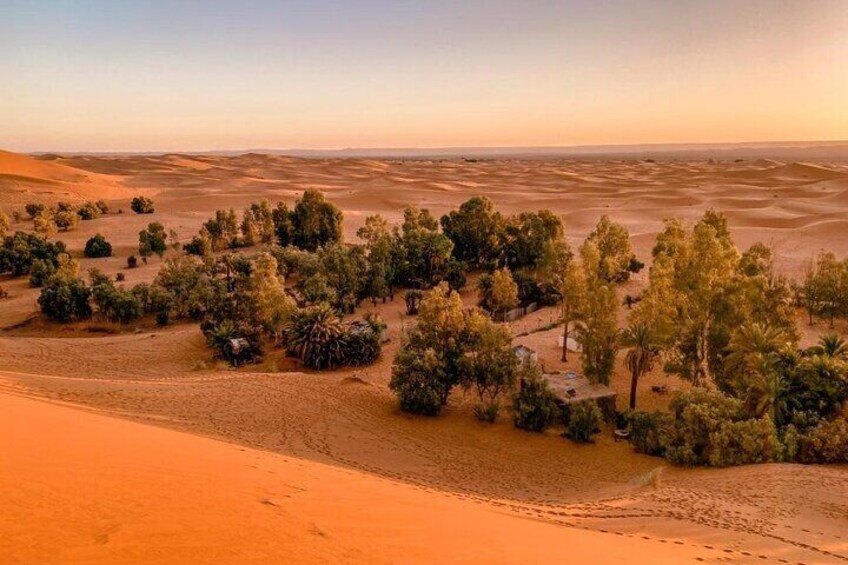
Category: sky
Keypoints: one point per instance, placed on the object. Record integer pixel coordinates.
(147, 75)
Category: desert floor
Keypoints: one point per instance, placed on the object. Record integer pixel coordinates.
(322, 466)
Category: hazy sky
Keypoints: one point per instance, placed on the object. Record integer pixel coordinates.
(214, 74)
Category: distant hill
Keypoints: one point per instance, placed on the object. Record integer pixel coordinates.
(784, 151)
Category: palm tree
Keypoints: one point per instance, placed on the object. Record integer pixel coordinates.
(831, 345)
(315, 335)
(641, 354)
(752, 339)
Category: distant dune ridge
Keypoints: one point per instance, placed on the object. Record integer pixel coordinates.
(788, 203)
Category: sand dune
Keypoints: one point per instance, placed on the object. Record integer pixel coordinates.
(78, 487)
(27, 179)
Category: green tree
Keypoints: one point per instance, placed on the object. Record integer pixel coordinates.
(489, 366)
(64, 297)
(689, 298)
(615, 254)
(475, 230)
(315, 222)
(97, 246)
(584, 420)
(527, 236)
(534, 405)
(152, 240)
(426, 252)
(504, 294)
(382, 263)
(598, 334)
(274, 305)
(428, 364)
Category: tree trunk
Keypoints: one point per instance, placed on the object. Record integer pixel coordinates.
(565, 338)
(634, 380)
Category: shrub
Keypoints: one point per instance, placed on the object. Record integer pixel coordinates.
(650, 431)
(142, 205)
(132, 262)
(66, 220)
(745, 442)
(115, 304)
(88, 211)
(825, 443)
(40, 271)
(64, 298)
(416, 379)
(120, 277)
(152, 240)
(34, 209)
(19, 251)
(97, 246)
(534, 405)
(584, 419)
(102, 206)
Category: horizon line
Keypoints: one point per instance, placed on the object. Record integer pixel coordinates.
(455, 149)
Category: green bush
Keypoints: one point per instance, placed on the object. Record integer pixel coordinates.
(584, 420)
(33, 209)
(142, 205)
(416, 379)
(534, 406)
(745, 442)
(40, 271)
(825, 443)
(19, 251)
(650, 431)
(97, 246)
(65, 299)
(88, 211)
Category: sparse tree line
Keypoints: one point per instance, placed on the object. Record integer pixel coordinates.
(714, 316)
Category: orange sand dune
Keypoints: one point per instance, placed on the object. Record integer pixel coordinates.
(26, 179)
(80, 487)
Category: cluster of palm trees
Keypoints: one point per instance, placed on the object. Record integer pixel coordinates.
(762, 367)
(321, 340)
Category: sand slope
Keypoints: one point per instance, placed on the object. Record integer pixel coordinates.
(79, 487)
(27, 179)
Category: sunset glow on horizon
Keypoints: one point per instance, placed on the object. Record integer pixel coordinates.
(191, 75)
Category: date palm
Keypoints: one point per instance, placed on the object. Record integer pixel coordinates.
(641, 354)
